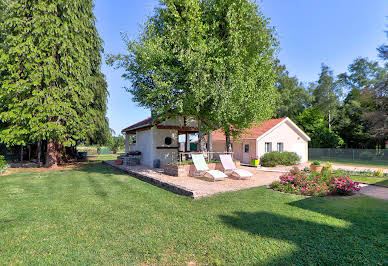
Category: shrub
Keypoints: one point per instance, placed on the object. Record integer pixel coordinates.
(343, 185)
(298, 182)
(275, 158)
(366, 155)
(306, 169)
(316, 163)
(3, 164)
(379, 172)
(328, 168)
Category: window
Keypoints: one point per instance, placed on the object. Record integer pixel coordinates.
(246, 148)
(280, 146)
(268, 146)
(168, 140)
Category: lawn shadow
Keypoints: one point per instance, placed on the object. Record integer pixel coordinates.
(317, 243)
(383, 183)
(98, 189)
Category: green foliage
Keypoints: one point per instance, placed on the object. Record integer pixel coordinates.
(363, 115)
(313, 123)
(51, 85)
(116, 143)
(325, 93)
(275, 158)
(211, 60)
(294, 97)
(328, 168)
(3, 164)
(379, 172)
(316, 163)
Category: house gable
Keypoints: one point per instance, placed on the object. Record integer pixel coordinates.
(291, 124)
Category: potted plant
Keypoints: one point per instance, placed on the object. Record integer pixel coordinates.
(316, 166)
(255, 160)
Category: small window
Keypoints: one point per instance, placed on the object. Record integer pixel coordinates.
(280, 146)
(268, 146)
(168, 140)
(246, 148)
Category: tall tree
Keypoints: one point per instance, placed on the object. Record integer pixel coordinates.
(294, 97)
(212, 60)
(52, 88)
(363, 119)
(325, 93)
(312, 121)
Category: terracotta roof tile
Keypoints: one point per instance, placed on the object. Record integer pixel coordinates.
(252, 133)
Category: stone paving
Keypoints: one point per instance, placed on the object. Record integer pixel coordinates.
(198, 187)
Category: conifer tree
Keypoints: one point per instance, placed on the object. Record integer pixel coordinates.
(51, 85)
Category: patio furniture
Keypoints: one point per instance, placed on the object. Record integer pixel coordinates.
(229, 166)
(202, 167)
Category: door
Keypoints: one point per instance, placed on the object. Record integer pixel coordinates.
(300, 149)
(246, 158)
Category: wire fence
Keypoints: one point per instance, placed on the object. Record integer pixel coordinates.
(369, 156)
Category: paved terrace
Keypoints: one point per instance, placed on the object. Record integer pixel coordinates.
(197, 187)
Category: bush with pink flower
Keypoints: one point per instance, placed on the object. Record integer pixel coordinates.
(299, 182)
(343, 185)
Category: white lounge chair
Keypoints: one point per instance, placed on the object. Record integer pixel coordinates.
(201, 167)
(229, 166)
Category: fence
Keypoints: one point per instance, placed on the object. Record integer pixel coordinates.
(370, 156)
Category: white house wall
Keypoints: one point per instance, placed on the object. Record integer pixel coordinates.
(144, 145)
(158, 140)
(290, 139)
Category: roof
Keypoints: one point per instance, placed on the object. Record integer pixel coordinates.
(144, 123)
(261, 129)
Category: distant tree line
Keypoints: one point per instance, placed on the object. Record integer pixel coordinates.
(345, 111)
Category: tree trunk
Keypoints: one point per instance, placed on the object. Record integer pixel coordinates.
(329, 119)
(38, 147)
(201, 139)
(21, 153)
(228, 141)
(53, 153)
(210, 144)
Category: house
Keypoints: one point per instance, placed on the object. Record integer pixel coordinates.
(161, 140)
(272, 135)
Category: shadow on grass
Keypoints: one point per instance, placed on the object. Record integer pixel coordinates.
(383, 183)
(98, 189)
(361, 242)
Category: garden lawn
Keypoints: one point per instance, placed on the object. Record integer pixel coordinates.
(373, 162)
(383, 181)
(95, 215)
(103, 157)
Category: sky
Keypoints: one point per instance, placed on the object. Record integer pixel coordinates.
(311, 32)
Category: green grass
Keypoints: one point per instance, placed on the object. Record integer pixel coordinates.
(95, 215)
(374, 163)
(103, 157)
(383, 181)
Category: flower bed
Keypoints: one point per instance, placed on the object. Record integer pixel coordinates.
(298, 182)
